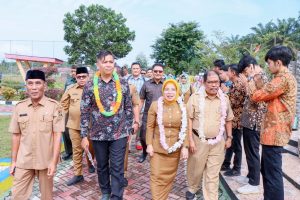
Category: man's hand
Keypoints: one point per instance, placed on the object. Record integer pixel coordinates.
(12, 168)
(243, 79)
(85, 144)
(135, 128)
(150, 150)
(259, 83)
(184, 153)
(228, 143)
(192, 146)
(51, 170)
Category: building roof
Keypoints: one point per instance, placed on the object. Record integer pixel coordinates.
(34, 58)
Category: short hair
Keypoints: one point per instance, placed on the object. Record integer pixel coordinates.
(234, 67)
(149, 69)
(136, 63)
(282, 53)
(245, 61)
(224, 68)
(210, 73)
(219, 63)
(157, 64)
(73, 67)
(103, 53)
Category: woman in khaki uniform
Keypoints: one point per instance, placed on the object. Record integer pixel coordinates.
(166, 139)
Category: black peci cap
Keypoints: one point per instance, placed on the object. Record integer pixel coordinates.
(35, 74)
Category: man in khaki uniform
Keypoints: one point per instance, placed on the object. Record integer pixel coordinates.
(135, 104)
(70, 102)
(36, 127)
(207, 153)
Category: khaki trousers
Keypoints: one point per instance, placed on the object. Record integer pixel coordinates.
(77, 151)
(205, 163)
(23, 184)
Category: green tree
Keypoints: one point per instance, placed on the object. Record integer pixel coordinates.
(178, 43)
(142, 59)
(90, 29)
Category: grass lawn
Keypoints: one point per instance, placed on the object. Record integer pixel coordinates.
(5, 137)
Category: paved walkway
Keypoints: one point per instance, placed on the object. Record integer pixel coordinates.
(139, 183)
(138, 189)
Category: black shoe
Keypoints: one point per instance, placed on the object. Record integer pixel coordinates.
(232, 172)
(91, 169)
(142, 158)
(225, 168)
(125, 182)
(74, 180)
(189, 195)
(66, 156)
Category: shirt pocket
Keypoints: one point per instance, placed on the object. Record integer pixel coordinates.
(46, 124)
(23, 124)
(74, 100)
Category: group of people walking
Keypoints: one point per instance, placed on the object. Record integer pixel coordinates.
(172, 121)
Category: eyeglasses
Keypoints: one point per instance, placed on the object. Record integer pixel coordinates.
(81, 77)
(143, 73)
(158, 71)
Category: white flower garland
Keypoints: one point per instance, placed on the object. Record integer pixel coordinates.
(182, 133)
(201, 117)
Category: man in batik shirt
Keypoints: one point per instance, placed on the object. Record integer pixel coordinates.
(106, 114)
(251, 119)
(237, 97)
(280, 94)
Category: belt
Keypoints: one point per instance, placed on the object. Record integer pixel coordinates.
(196, 133)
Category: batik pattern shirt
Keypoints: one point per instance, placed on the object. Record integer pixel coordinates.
(280, 95)
(253, 112)
(237, 97)
(98, 126)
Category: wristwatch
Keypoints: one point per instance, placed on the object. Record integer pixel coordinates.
(135, 122)
(229, 136)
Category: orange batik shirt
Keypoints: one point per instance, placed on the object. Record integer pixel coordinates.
(280, 95)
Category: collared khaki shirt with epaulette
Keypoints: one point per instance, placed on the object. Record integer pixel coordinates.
(135, 98)
(70, 102)
(37, 126)
(212, 113)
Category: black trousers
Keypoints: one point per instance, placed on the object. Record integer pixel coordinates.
(271, 170)
(251, 146)
(143, 136)
(67, 139)
(110, 166)
(235, 148)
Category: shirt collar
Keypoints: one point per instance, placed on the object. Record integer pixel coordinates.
(206, 95)
(153, 81)
(135, 78)
(282, 71)
(41, 102)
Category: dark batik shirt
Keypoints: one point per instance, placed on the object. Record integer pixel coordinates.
(253, 113)
(150, 91)
(237, 96)
(103, 128)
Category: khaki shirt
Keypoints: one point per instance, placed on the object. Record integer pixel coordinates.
(135, 98)
(36, 126)
(172, 125)
(212, 114)
(70, 102)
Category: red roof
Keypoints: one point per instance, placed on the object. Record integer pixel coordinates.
(34, 58)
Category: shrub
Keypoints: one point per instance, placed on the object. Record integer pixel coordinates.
(17, 85)
(54, 93)
(8, 93)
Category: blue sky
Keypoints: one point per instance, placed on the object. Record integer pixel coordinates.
(42, 20)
